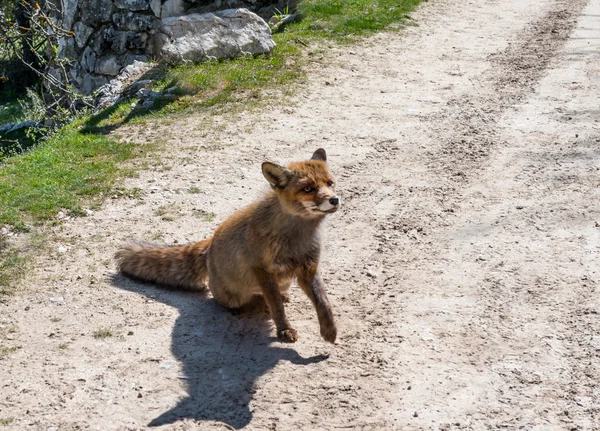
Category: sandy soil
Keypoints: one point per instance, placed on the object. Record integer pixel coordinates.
(463, 268)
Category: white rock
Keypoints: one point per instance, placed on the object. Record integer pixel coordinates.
(223, 34)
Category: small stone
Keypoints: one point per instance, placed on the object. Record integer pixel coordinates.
(130, 333)
(167, 364)
(57, 300)
(61, 250)
(415, 415)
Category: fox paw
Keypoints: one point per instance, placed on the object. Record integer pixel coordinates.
(285, 297)
(329, 332)
(289, 335)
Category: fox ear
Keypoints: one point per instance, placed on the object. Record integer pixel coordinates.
(276, 175)
(319, 155)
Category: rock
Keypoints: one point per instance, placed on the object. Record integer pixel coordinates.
(123, 41)
(134, 22)
(86, 85)
(156, 6)
(98, 81)
(57, 300)
(9, 128)
(75, 75)
(66, 47)
(108, 65)
(218, 5)
(88, 59)
(69, 11)
(228, 33)
(138, 61)
(96, 12)
(172, 8)
(109, 94)
(82, 33)
(166, 364)
(61, 250)
(133, 4)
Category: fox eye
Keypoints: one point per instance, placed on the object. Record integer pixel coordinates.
(330, 183)
(308, 189)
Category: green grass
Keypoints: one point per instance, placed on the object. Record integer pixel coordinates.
(59, 174)
(343, 20)
(102, 333)
(12, 267)
(5, 351)
(6, 421)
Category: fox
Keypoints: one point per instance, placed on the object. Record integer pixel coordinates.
(258, 251)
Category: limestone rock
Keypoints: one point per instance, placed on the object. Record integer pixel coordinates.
(108, 65)
(82, 33)
(88, 59)
(69, 11)
(133, 4)
(95, 12)
(156, 6)
(228, 33)
(122, 41)
(173, 8)
(134, 22)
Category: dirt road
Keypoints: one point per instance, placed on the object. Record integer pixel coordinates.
(463, 268)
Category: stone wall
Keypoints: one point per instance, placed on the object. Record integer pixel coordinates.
(111, 34)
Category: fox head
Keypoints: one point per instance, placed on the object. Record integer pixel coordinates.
(305, 189)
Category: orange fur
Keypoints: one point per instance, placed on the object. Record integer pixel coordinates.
(258, 250)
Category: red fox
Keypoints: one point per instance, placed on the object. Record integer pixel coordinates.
(258, 250)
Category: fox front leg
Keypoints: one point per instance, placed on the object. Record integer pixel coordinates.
(311, 283)
(274, 299)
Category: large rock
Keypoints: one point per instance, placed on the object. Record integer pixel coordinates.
(95, 12)
(228, 33)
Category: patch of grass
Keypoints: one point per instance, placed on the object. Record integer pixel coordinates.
(13, 266)
(5, 351)
(343, 20)
(102, 333)
(168, 212)
(205, 215)
(59, 174)
(194, 190)
(63, 346)
(6, 421)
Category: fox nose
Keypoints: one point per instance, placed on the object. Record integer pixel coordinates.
(334, 200)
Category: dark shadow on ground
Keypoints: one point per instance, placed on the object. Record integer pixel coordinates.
(96, 123)
(222, 353)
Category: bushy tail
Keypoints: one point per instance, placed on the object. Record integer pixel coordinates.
(180, 266)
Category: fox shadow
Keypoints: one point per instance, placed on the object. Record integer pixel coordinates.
(222, 354)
